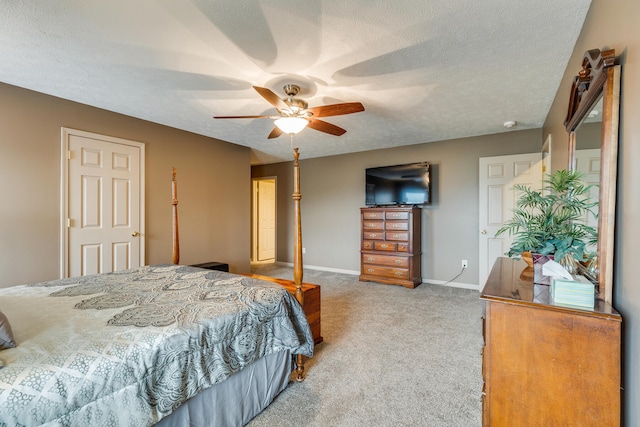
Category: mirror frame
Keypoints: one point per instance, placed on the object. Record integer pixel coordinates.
(598, 77)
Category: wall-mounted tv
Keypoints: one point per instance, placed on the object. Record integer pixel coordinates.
(398, 185)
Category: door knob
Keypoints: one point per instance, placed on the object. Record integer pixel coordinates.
(135, 234)
(484, 231)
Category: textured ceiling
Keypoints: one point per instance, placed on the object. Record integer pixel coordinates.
(425, 70)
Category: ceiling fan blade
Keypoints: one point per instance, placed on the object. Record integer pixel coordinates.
(325, 127)
(271, 97)
(336, 109)
(276, 132)
(242, 117)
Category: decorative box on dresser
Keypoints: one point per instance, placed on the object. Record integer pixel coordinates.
(542, 364)
(390, 250)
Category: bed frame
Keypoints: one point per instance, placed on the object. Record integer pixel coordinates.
(297, 245)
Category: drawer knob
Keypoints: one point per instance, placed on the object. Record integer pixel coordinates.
(371, 270)
(396, 236)
(372, 226)
(370, 258)
(398, 261)
(385, 246)
(398, 273)
(373, 234)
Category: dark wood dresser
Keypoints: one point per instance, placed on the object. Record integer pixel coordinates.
(542, 364)
(390, 250)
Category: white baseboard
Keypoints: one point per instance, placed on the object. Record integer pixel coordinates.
(357, 273)
(452, 284)
(316, 267)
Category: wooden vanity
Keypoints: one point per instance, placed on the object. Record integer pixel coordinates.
(542, 364)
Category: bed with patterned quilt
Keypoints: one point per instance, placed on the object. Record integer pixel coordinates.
(166, 344)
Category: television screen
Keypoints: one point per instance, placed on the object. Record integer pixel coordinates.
(398, 185)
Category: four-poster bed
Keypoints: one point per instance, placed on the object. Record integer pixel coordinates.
(168, 344)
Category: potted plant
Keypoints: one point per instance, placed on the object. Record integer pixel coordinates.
(550, 222)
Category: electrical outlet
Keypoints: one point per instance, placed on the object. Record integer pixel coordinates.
(304, 251)
(464, 263)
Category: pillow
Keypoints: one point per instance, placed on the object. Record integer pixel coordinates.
(6, 336)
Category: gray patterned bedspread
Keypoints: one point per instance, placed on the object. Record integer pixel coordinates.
(127, 348)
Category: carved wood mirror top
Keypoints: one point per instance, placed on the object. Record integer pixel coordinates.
(598, 83)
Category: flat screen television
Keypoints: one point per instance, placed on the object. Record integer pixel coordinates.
(398, 185)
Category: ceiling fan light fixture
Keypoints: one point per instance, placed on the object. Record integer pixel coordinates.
(291, 125)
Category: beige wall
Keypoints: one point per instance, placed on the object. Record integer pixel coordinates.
(614, 25)
(213, 186)
(333, 192)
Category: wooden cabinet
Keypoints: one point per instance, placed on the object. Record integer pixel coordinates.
(311, 301)
(390, 251)
(546, 365)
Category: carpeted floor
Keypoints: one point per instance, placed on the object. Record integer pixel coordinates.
(391, 356)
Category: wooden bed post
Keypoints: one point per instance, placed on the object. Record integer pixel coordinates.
(175, 256)
(297, 248)
(297, 243)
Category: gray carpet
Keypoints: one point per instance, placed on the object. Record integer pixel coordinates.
(391, 356)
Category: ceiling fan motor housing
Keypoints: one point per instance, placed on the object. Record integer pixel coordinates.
(295, 105)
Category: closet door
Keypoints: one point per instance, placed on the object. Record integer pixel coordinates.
(103, 215)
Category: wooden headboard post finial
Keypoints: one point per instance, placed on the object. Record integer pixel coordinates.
(297, 249)
(175, 256)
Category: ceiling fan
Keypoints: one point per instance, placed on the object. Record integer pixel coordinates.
(296, 113)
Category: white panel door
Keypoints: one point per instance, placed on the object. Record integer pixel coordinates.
(497, 199)
(103, 211)
(266, 211)
(588, 162)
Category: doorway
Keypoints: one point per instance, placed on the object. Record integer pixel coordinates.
(264, 220)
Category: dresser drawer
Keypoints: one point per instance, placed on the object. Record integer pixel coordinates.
(396, 215)
(396, 225)
(373, 235)
(386, 260)
(399, 237)
(395, 273)
(384, 246)
(373, 215)
(367, 245)
(403, 247)
(372, 225)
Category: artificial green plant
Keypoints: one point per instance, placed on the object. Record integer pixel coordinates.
(551, 220)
